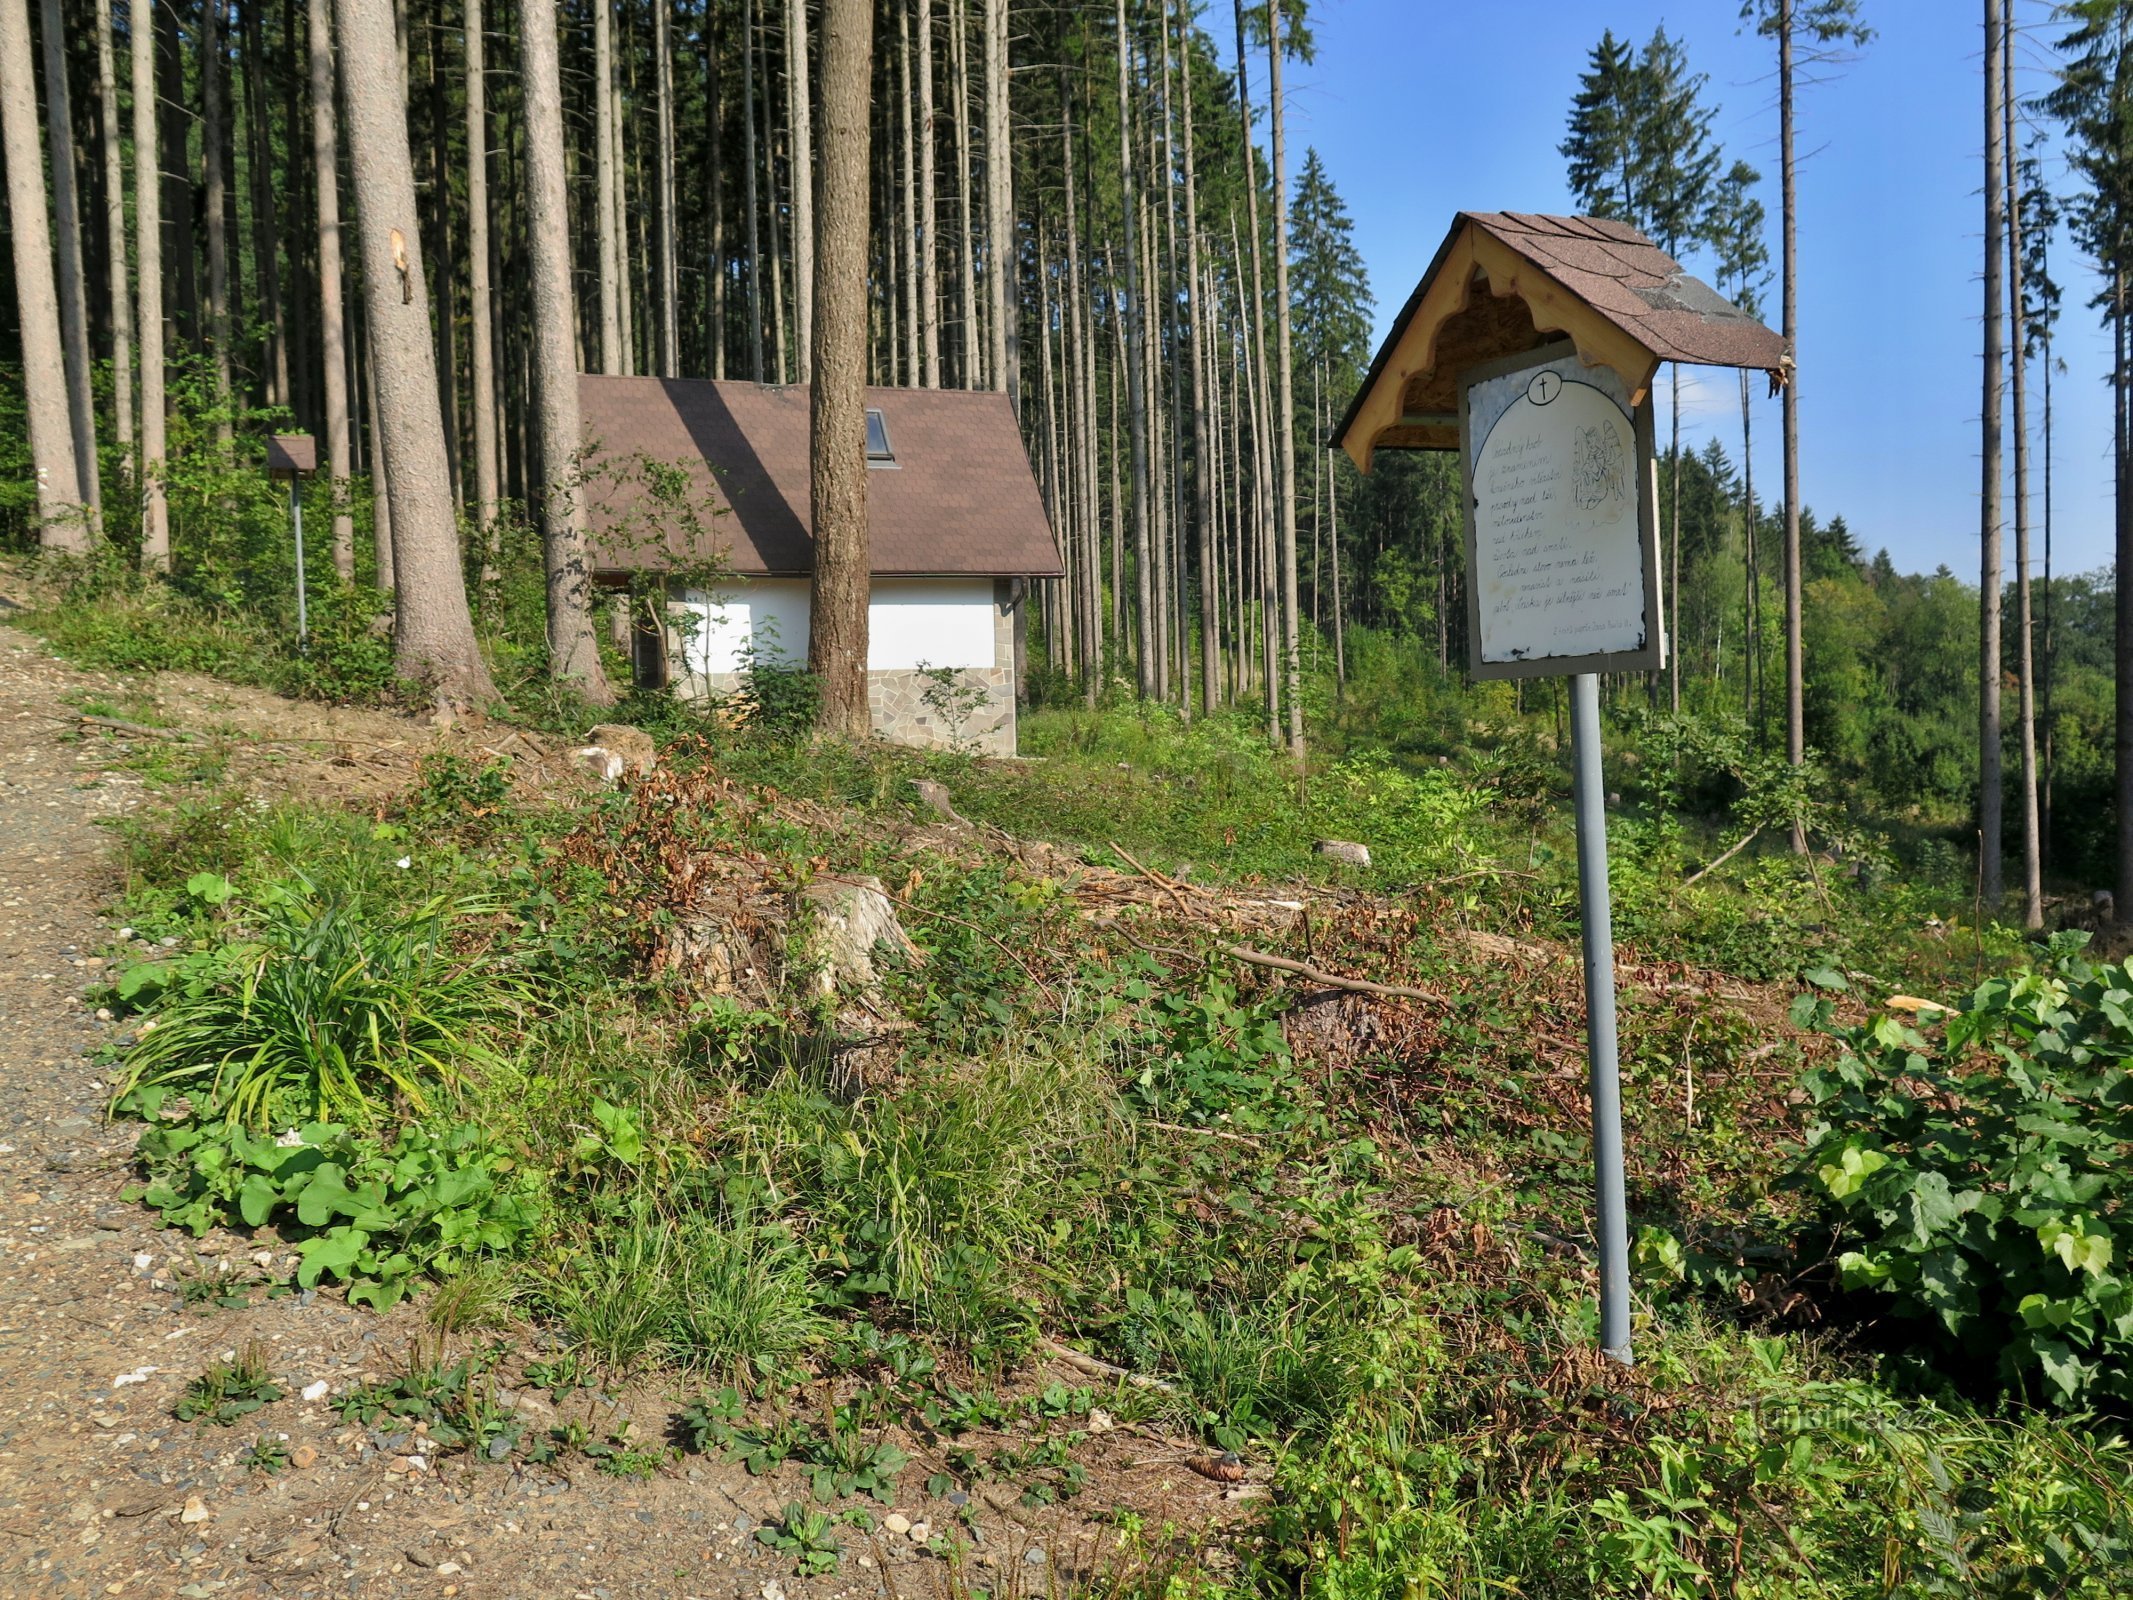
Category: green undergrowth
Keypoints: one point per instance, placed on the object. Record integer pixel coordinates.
(1347, 1239)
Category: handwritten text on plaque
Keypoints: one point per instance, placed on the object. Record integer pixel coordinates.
(1558, 568)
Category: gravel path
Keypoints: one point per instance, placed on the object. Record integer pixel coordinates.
(102, 1492)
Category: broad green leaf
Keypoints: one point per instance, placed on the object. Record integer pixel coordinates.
(335, 1251)
(210, 888)
(257, 1199)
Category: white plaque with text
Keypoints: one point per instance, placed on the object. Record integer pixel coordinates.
(1562, 548)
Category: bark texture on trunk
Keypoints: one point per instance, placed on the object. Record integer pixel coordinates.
(433, 637)
(107, 99)
(573, 649)
(1135, 335)
(604, 207)
(214, 134)
(148, 223)
(1000, 247)
(1789, 281)
(44, 370)
(480, 311)
(1284, 401)
(333, 351)
(837, 483)
(929, 266)
(73, 279)
(801, 158)
(1991, 564)
(2018, 352)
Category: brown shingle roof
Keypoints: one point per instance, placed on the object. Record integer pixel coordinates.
(960, 500)
(1504, 282)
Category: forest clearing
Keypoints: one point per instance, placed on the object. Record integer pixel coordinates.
(792, 806)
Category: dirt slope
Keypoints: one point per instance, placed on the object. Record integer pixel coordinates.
(102, 1491)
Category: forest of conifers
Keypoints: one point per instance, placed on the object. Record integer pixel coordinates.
(1089, 206)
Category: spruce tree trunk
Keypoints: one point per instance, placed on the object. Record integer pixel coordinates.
(2018, 355)
(970, 367)
(837, 479)
(333, 362)
(433, 637)
(1284, 400)
(1196, 321)
(1789, 283)
(214, 125)
(755, 252)
(73, 279)
(60, 508)
(605, 209)
(929, 262)
(480, 310)
(914, 357)
(148, 261)
(2123, 647)
(715, 325)
(120, 289)
(1146, 621)
(573, 652)
(178, 197)
(266, 243)
(1000, 247)
(1255, 390)
(668, 255)
(1992, 573)
(801, 166)
(445, 324)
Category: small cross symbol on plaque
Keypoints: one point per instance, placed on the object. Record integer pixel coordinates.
(1545, 387)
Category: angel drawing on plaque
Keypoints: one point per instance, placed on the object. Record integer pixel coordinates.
(1598, 476)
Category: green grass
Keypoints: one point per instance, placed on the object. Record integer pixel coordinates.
(1347, 1239)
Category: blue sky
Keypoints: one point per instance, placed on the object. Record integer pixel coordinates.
(1422, 109)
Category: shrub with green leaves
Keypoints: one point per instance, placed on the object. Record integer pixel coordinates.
(1976, 1167)
(331, 1013)
(373, 1215)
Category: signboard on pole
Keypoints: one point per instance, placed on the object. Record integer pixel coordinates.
(1561, 514)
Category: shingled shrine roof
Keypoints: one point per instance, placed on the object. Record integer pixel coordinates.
(953, 498)
(1504, 282)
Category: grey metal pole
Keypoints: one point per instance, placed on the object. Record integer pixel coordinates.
(296, 520)
(1597, 918)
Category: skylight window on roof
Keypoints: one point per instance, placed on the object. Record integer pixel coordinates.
(879, 451)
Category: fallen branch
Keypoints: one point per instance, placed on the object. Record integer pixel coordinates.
(1082, 1362)
(1168, 885)
(139, 730)
(1303, 969)
(1713, 866)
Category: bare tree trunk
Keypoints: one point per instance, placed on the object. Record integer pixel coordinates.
(148, 224)
(999, 192)
(1751, 578)
(214, 98)
(779, 261)
(2018, 352)
(801, 164)
(115, 237)
(715, 119)
(332, 340)
(480, 313)
(669, 257)
(1081, 407)
(266, 240)
(573, 652)
(381, 499)
(605, 210)
(837, 484)
(929, 263)
(60, 506)
(439, 249)
(1262, 533)
(1202, 503)
(2122, 665)
(1284, 399)
(1992, 571)
(73, 280)
(1789, 282)
(971, 367)
(1145, 619)
(433, 637)
(914, 358)
(755, 253)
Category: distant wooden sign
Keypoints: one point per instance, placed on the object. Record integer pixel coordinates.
(1561, 514)
(291, 453)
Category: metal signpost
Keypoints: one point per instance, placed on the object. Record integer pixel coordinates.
(1529, 347)
(1562, 553)
(290, 456)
